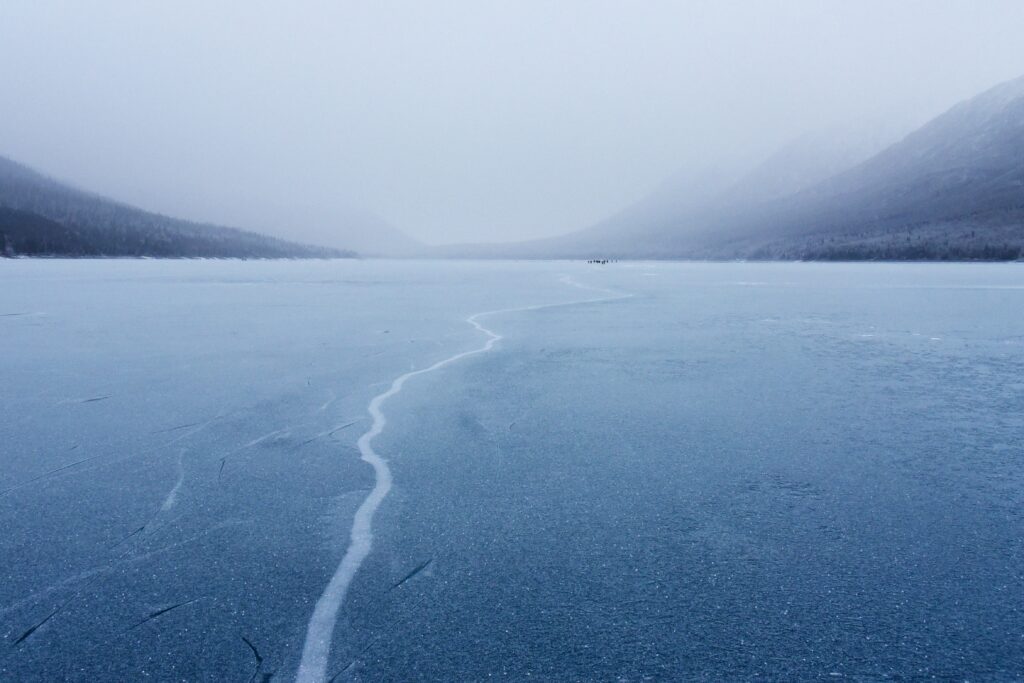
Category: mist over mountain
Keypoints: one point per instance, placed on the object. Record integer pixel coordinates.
(952, 189)
(810, 159)
(645, 227)
(40, 216)
(340, 227)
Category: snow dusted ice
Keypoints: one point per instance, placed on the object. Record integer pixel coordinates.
(785, 470)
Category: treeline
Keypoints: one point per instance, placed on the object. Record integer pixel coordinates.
(922, 252)
(950, 242)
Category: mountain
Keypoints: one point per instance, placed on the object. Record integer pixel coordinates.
(40, 216)
(952, 189)
(651, 225)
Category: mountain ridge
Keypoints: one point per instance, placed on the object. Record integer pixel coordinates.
(951, 189)
(42, 216)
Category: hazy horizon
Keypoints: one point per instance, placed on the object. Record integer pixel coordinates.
(463, 122)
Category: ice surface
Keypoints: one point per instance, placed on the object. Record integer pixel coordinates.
(784, 470)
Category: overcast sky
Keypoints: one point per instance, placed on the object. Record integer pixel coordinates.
(462, 121)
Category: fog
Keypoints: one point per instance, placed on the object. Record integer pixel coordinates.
(461, 121)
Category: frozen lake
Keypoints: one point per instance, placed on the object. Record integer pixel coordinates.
(738, 470)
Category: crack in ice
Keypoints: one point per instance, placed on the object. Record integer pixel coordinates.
(319, 633)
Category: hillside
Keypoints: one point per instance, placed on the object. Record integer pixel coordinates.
(953, 189)
(40, 216)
